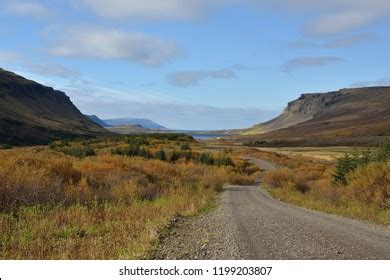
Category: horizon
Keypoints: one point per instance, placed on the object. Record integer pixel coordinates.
(195, 65)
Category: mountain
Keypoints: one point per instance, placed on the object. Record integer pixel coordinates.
(31, 113)
(131, 121)
(131, 129)
(98, 121)
(347, 116)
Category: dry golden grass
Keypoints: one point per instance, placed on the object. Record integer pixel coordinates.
(321, 153)
(55, 206)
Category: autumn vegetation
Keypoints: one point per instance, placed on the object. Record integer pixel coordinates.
(106, 198)
(356, 185)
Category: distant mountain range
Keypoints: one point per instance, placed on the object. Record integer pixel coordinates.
(347, 116)
(98, 121)
(31, 113)
(128, 125)
(134, 121)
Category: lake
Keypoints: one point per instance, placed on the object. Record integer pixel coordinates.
(207, 136)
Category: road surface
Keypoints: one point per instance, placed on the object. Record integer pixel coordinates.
(249, 224)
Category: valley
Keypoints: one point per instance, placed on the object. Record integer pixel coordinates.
(69, 181)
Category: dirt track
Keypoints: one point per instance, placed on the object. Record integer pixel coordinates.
(249, 224)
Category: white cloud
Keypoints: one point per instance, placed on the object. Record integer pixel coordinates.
(351, 40)
(7, 56)
(102, 43)
(339, 42)
(336, 16)
(384, 81)
(194, 77)
(26, 8)
(305, 62)
(323, 17)
(37, 67)
(339, 22)
(330, 17)
(154, 9)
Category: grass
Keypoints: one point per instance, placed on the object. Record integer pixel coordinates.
(61, 205)
(322, 153)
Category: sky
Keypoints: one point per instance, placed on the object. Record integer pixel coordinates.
(195, 64)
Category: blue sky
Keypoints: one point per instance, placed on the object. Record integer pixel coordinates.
(187, 64)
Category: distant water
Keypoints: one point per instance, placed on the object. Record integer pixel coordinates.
(206, 136)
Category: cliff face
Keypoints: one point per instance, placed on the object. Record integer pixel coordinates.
(31, 113)
(349, 113)
(310, 104)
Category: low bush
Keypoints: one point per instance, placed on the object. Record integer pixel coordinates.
(184, 146)
(206, 158)
(371, 185)
(132, 151)
(160, 155)
(224, 161)
(278, 178)
(324, 190)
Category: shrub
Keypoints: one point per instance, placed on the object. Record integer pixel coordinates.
(224, 161)
(383, 153)
(80, 152)
(237, 178)
(286, 178)
(175, 156)
(206, 158)
(301, 185)
(345, 165)
(323, 189)
(255, 143)
(160, 155)
(132, 151)
(137, 140)
(184, 146)
(6, 146)
(278, 178)
(348, 163)
(371, 185)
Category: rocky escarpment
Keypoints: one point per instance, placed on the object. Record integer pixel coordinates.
(347, 104)
(310, 104)
(359, 116)
(31, 113)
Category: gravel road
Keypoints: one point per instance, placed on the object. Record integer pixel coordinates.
(249, 224)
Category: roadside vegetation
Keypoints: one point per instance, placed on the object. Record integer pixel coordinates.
(106, 198)
(356, 185)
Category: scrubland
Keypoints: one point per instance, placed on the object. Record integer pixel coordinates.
(106, 198)
(356, 185)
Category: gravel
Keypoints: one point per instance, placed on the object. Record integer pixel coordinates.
(249, 224)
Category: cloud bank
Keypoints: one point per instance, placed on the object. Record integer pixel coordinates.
(155, 9)
(25, 8)
(102, 43)
(307, 62)
(194, 77)
(327, 17)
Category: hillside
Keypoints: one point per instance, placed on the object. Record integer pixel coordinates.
(31, 113)
(347, 116)
(134, 121)
(98, 121)
(132, 129)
